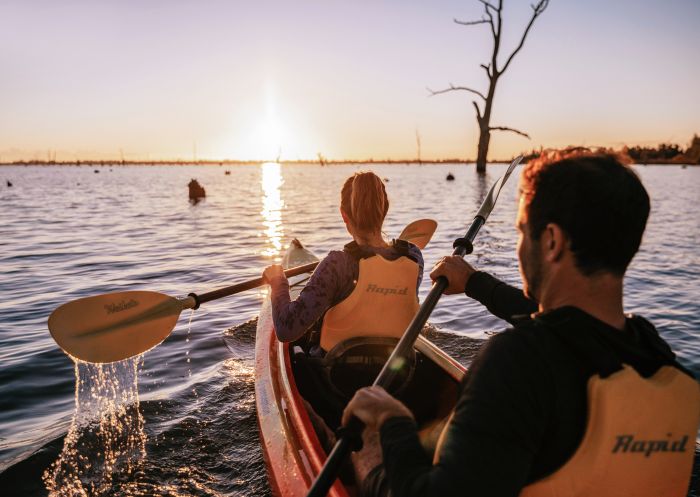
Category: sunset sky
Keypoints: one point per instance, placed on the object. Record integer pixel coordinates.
(348, 79)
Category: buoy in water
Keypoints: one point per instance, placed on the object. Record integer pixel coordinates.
(450, 177)
(97, 171)
(227, 173)
(196, 190)
(9, 183)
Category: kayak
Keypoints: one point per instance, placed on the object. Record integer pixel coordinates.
(293, 451)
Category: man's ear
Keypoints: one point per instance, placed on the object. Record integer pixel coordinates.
(346, 220)
(554, 242)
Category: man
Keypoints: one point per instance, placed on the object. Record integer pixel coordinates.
(577, 398)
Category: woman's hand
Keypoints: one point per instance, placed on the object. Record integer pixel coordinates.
(272, 272)
(373, 406)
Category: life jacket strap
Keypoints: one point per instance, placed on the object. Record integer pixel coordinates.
(358, 252)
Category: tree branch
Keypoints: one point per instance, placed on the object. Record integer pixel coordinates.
(478, 111)
(496, 40)
(488, 5)
(487, 69)
(456, 88)
(487, 9)
(506, 128)
(536, 11)
(471, 23)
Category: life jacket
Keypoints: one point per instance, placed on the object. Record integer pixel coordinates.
(639, 440)
(382, 303)
(640, 434)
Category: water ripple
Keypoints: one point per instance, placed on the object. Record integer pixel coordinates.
(67, 233)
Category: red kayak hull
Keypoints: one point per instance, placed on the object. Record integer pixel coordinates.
(292, 451)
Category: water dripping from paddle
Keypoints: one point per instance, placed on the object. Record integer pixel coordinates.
(106, 442)
(189, 367)
(106, 436)
(187, 341)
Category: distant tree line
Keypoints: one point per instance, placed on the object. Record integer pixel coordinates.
(664, 153)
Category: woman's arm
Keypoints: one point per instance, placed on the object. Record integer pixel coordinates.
(415, 253)
(326, 287)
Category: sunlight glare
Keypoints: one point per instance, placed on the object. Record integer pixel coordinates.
(272, 137)
(271, 182)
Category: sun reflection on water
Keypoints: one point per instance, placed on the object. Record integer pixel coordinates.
(272, 209)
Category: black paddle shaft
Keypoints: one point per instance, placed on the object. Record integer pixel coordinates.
(349, 438)
(350, 435)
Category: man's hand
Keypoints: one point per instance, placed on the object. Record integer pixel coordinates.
(272, 272)
(456, 270)
(373, 406)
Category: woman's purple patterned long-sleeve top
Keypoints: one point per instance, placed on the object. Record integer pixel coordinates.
(333, 281)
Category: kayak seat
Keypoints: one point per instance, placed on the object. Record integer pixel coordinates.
(310, 377)
(328, 383)
(356, 362)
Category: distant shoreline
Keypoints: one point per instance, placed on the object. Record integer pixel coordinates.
(112, 163)
(230, 162)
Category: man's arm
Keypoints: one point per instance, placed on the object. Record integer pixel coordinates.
(501, 299)
(489, 445)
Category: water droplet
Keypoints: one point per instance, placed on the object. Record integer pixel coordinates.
(106, 437)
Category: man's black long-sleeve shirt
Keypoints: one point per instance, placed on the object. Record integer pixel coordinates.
(522, 410)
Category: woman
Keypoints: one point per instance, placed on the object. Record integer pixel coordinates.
(367, 289)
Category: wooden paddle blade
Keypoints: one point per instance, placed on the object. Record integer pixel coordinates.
(419, 232)
(297, 255)
(114, 326)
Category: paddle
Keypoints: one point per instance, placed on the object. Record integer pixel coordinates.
(349, 435)
(115, 326)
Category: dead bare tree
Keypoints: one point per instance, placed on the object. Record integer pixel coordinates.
(492, 17)
(418, 146)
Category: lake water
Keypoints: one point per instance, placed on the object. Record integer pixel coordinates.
(67, 232)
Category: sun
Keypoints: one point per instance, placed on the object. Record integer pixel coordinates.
(266, 131)
(270, 138)
(264, 139)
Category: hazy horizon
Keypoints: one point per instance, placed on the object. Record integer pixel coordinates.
(228, 80)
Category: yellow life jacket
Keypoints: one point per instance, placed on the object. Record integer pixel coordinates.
(639, 439)
(382, 304)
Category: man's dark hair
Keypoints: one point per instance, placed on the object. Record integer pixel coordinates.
(597, 200)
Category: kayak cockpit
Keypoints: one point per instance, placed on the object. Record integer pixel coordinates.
(298, 408)
(430, 388)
